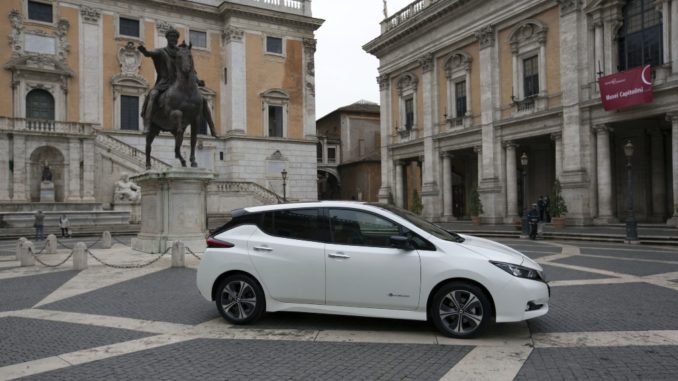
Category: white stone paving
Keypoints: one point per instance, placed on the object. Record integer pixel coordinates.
(496, 356)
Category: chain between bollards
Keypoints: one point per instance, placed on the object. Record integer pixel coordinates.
(30, 249)
(137, 266)
(192, 253)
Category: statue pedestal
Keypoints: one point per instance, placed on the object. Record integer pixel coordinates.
(46, 191)
(172, 209)
(134, 209)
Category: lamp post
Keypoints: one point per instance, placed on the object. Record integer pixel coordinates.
(284, 177)
(523, 164)
(631, 225)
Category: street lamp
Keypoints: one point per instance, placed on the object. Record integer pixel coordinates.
(631, 225)
(523, 164)
(284, 176)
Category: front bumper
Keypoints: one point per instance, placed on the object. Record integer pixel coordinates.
(522, 299)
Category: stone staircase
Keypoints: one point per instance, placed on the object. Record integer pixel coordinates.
(128, 153)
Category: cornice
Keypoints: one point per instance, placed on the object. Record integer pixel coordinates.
(229, 10)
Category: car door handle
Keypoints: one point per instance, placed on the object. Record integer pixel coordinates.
(262, 248)
(339, 255)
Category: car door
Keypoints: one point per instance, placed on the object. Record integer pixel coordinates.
(362, 269)
(288, 252)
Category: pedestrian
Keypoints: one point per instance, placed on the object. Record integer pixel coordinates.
(533, 220)
(65, 226)
(39, 225)
(547, 203)
(540, 208)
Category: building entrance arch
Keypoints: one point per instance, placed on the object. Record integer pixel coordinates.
(55, 159)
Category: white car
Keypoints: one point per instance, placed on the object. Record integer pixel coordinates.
(366, 259)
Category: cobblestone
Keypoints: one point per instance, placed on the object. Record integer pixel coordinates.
(612, 307)
(667, 254)
(620, 266)
(606, 363)
(210, 359)
(25, 292)
(24, 339)
(554, 273)
(158, 296)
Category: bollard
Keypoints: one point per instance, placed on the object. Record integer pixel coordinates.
(51, 244)
(80, 256)
(19, 243)
(106, 242)
(178, 251)
(26, 257)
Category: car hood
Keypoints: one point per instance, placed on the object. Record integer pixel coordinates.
(494, 251)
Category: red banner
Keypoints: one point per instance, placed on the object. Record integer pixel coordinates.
(626, 88)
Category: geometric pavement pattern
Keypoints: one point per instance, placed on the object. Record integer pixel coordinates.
(613, 315)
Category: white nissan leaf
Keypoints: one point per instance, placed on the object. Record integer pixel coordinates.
(365, 259)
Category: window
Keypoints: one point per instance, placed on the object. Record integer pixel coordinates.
(129, 27)
(409, 113)
(275, 121)
(319, 152)
(198, 39)
(331, 154)
(39, 105)
(460, 98)
(204, 128)
(353, 227)
(129, 113)
(274, 45)
(640, 38)
(304, 224)
(40, 11)
(530, 76)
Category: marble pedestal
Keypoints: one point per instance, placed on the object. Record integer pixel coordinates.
(46, 191)
(173, 208)
(134, 209)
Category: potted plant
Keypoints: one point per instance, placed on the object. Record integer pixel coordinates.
(416, 206)
(475, 206)
(557, 206)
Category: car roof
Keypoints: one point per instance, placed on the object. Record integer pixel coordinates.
(310, 204)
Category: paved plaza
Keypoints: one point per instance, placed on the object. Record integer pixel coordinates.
(614, 315)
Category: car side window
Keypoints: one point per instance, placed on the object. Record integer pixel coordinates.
(304, 224)
(354, 227)
(418, 242)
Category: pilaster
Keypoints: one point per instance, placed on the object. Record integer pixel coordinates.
(309, 88)
(673, 118)
(91, 66)
(4, 167)
(447, 187)
(20, 191)
(385, 191)
(429, 191)
(604, 175)
(511, 183)
(73, 171)
(234, 101)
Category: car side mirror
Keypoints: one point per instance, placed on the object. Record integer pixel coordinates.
(400, 242)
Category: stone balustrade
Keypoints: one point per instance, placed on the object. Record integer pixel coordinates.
(130, 152)
(265, 196)
(301, 7)
(404, 14)
(46, 126)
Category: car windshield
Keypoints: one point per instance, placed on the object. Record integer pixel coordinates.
(421, 223)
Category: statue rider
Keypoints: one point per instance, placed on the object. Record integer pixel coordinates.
(164, 62)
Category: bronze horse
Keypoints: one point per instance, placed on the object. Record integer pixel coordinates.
(180, 105)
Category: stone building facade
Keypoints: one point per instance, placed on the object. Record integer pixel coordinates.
(348, 153)
(468, 87)
(74, 83)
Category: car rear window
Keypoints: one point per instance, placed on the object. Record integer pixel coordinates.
(239, 218)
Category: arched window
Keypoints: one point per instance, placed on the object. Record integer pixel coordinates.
(640, 38)
(39, 105)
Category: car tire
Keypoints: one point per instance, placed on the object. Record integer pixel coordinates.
(240, 299)
(460, 310)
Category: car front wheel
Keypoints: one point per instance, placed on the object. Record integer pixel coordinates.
(460, 310)
(240, 299)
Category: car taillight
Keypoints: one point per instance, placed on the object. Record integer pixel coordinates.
(213, 242)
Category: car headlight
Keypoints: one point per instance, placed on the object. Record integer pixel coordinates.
(520, 271)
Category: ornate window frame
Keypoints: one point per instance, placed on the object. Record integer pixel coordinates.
(128, 82)
(407, 89)
(457, 69)
(528, 39)
(283, 42)
(274, 97)
(207, 39)
(119, 36)
(55, 13)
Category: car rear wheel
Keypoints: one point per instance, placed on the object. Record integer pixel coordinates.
(460, 310)
(240, 299)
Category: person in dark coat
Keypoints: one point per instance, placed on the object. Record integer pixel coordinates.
(39, 225)
(541, 208)
(533, 220)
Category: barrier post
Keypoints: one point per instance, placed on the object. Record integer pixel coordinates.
(80, 256)
(51, 244)
(19, 243)
(178, 252)
(26, 257)
(106, 242)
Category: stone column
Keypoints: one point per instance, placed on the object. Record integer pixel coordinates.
(429, 189)
(511, 183)
(88, 170)
(599, 47)
(73, 171)
(488, 64)
(21, 180)
(666, 29)
(91, 64)
(4, 167)
(385, 191)
(558, 140)
(657, 169)
(309, 87)
(447, 187)
(604, 175)
(233, 103)
(673, 118)
(479, 153)
(399, 188)
(674, 41)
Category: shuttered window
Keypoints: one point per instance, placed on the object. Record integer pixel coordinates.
(129, 113)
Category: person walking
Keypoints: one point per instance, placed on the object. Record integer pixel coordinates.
(65, 226)
(39, 225)
(533, 220)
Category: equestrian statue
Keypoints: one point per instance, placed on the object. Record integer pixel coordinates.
(175, 101)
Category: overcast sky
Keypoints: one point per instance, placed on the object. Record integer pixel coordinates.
(345, 73)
